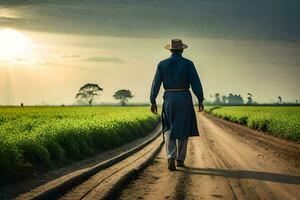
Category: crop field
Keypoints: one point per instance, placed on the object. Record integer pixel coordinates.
(46, 137)
(281, 121)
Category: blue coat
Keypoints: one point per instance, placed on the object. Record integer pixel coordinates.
(178, 113)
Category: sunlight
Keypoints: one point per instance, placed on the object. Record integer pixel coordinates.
(13, 44)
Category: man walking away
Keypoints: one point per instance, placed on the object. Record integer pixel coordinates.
(177, 74)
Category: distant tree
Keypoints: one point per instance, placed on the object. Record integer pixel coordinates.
(123, 96)
(250, 99)
(224, 99)
(240, 99)
(235, 99)
(217, 99)
(279, 99)
(88, 92)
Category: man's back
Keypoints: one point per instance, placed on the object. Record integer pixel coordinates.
(175, 72)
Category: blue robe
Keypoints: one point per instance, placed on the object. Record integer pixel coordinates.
(178, 113)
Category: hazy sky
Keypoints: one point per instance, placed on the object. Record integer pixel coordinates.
(50, 49)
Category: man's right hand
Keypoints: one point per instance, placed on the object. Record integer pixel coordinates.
(154, 108)
(201, 107)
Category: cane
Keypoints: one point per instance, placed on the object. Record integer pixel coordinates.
(163, 123)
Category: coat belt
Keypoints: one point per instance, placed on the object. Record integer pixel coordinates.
(176, 90)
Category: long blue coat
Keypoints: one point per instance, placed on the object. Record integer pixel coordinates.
(178, 114)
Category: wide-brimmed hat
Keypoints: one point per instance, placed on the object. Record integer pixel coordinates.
(176, 44)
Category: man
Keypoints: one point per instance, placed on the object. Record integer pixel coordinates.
(178, 115)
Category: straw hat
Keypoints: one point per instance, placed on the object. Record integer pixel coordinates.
(176, 44)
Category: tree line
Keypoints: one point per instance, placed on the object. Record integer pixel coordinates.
(237, 99)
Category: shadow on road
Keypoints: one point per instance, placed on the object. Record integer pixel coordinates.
(258, 175)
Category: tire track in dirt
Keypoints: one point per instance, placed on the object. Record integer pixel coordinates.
(237, 189)
(100, 185)
(181, 187)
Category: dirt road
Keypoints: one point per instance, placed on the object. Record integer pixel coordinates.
(220, 165)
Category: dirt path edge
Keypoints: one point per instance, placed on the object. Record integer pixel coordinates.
(282, 148)
(132, 174)
(57, 190)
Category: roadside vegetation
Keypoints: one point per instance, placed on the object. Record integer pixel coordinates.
(281, 121)
(39, 138)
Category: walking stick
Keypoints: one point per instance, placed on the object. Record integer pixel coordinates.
(163, 123)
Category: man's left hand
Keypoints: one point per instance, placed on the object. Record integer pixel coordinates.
(154, 108)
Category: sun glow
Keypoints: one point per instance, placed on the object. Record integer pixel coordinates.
(13, 44)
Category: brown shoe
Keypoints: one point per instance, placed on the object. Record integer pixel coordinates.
(171, 164)
(180, 163)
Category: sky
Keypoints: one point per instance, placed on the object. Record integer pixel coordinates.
(50, 48)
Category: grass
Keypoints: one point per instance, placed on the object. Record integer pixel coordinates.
(283, 122)
(35, 138)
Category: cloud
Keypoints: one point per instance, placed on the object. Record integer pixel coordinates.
(98, 45)
(202, 18)
(3, 61)
(21, 60)
(11, 20)
(103, 59)
(71, 56)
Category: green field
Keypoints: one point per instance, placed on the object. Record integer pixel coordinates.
(45, 137)
(281, 121)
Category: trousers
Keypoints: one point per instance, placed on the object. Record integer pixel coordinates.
(174, 152)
